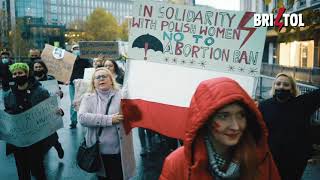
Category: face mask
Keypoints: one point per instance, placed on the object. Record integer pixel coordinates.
(20, 80)
(34, 58)
(76, 52)
(38, 73)
(5, 60)
(282, 94)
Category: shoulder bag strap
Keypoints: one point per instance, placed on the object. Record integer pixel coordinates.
(107, 111)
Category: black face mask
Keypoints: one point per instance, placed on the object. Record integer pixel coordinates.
(38, 73)
(34, 58)
(283, 94)
(20, 80)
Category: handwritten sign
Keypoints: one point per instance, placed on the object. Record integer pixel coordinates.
(92, 49)
(60, 68)
(31, 126)
(196, 37)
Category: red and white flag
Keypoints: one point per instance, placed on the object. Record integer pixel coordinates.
(157, 96)
(173, 48)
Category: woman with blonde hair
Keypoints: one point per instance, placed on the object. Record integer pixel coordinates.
(115, 146)
(287, 115)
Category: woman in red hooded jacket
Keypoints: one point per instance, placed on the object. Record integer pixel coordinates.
(226, 138)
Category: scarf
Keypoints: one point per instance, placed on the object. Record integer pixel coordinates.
(103, 99)
(216, 163)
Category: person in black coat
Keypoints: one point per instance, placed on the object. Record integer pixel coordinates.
(287, 116)
(26, 93)
(40, 72)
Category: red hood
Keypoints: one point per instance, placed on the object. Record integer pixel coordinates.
(209, 97)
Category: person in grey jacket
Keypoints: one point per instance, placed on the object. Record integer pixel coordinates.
(115, 146)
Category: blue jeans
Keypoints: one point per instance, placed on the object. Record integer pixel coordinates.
(73, 113)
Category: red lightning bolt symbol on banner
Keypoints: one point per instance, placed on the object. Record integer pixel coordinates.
(278, 18)
(246, 17)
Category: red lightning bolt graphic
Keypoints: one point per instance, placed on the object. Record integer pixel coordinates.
(278, 18)
(246, 17)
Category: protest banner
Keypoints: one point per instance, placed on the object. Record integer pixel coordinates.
(59, 62)
(31, 126)
(93, 49)
(198, 37)
(172, 48)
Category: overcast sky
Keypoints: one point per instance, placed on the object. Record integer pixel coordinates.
(221, 4)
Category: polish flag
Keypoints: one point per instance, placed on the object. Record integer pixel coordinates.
(156, 96)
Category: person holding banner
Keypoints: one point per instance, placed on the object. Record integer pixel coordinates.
(226, 137)
(77, 73)
(287, 116)
(115, 146)
(26, 93)
(117, 72)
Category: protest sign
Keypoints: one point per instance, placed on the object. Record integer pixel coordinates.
(31, 126)
(198, 37)
(172, 48)
(93, 49)
(88, 72)
(59, 62)
(81, 87)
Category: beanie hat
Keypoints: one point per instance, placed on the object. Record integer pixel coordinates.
(22, 66)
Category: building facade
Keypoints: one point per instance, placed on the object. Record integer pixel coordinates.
(294, 54)
(4, 24)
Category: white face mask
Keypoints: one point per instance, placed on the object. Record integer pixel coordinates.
(76, 52)
(5, 60)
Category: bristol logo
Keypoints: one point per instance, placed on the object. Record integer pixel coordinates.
(268, 20)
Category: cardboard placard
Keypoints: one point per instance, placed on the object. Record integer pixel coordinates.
(60, 68)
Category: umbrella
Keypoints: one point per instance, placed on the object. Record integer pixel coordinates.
(147, 41)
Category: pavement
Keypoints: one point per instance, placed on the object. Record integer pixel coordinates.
(148, 168)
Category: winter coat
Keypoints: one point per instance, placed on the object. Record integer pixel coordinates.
(190, 162)
(290, 129)
(5, 76)
(89, 118)
(14, 104)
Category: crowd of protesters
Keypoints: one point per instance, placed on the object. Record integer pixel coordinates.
(231, 136)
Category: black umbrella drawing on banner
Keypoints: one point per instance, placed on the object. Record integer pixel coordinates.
(147, 41)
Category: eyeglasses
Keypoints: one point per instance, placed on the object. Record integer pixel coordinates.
(101, 77)
(111, 65)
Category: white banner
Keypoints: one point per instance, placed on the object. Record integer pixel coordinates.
(196, 37)
(31, 126)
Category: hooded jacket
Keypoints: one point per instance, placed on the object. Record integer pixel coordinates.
(190, 162)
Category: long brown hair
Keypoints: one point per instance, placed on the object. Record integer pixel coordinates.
(245, 150)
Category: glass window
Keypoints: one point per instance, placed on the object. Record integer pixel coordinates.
(302, 3)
